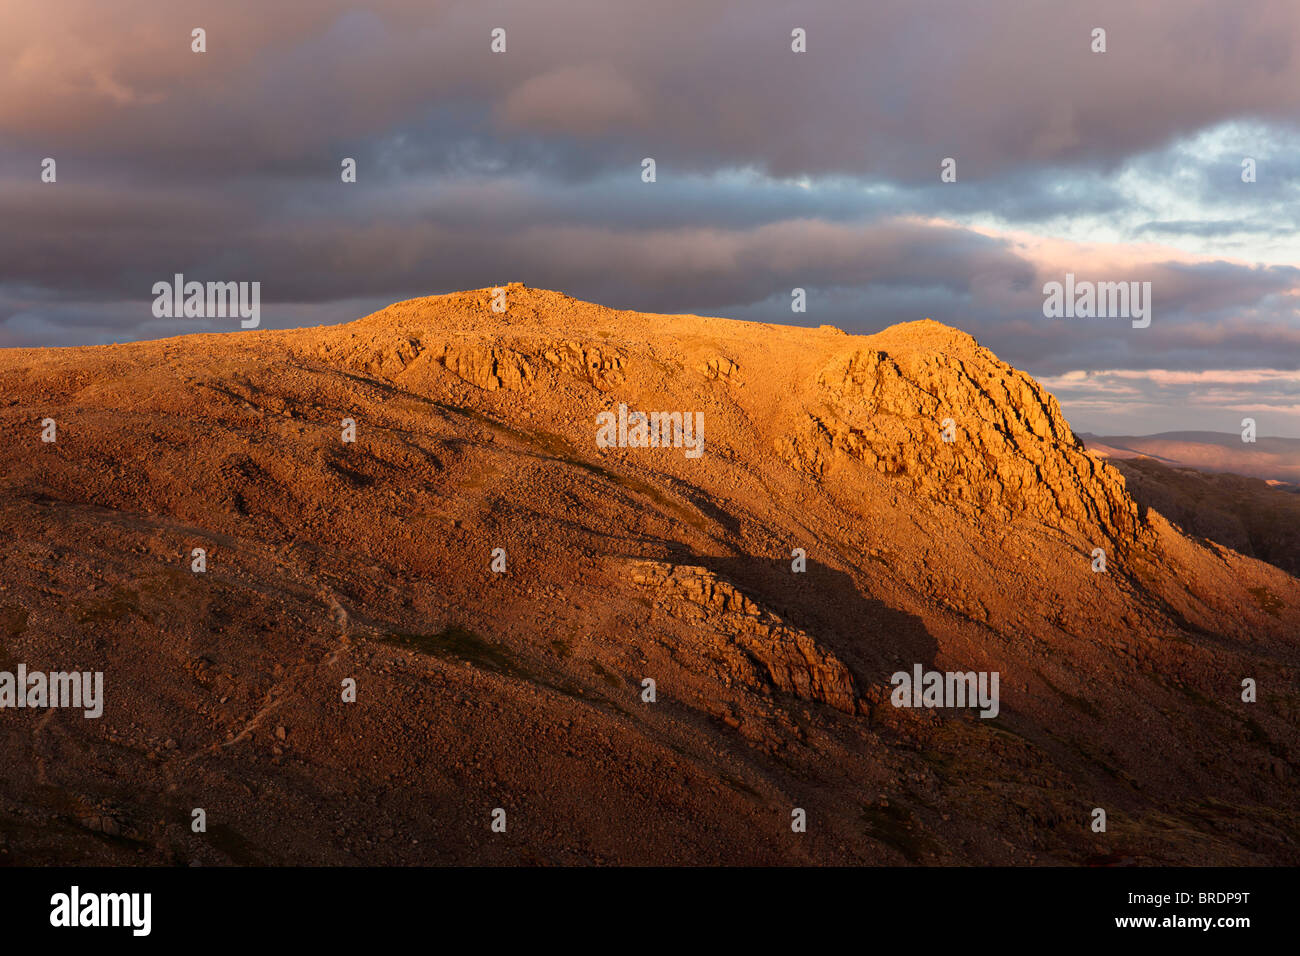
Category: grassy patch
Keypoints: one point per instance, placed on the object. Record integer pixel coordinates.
(1081, 704)
(893, 826)
(605, 675)
(459, 642)
(1268, 602)
(13, 620)
(114, 607)
(233, 844)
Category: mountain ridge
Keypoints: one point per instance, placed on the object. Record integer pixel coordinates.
(1269, 458)
(475, 431)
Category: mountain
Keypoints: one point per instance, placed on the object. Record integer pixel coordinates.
(1273, 459)
(1249, 515)
(523, 689)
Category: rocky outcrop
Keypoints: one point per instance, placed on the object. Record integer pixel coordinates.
(382, 357)
(953, 424)
(756, 647)
(488, 367)
(720, 368)
(603, 368)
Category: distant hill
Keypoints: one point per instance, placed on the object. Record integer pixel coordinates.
(1275, 459)
(1248, 515)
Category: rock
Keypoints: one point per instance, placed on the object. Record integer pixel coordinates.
(600, 366)
(720, 368)
(1012, 452)
(488, 367)
(758, 646)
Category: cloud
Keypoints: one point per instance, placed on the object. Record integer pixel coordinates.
(580, 101)
(1129, 401)
(705, 83)
(817, 170)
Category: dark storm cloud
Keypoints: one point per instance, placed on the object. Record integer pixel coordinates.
(701, 83)
(775, 170)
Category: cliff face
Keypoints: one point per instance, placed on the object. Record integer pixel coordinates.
(956, 426)
(501, 586)
(754, 646)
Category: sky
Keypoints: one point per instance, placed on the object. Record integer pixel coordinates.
(774, 170)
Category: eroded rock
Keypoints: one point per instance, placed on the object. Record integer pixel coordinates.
(488, 366)
(1011, 451)
(757, 646)
(602, 367)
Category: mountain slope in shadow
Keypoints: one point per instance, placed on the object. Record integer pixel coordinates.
(1249, 515)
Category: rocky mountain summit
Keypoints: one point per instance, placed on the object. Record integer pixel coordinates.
(500, 586)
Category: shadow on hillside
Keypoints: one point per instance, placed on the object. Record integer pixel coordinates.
(1237, 512)
(871, 638)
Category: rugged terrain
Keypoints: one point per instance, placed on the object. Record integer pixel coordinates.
(522, 690)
